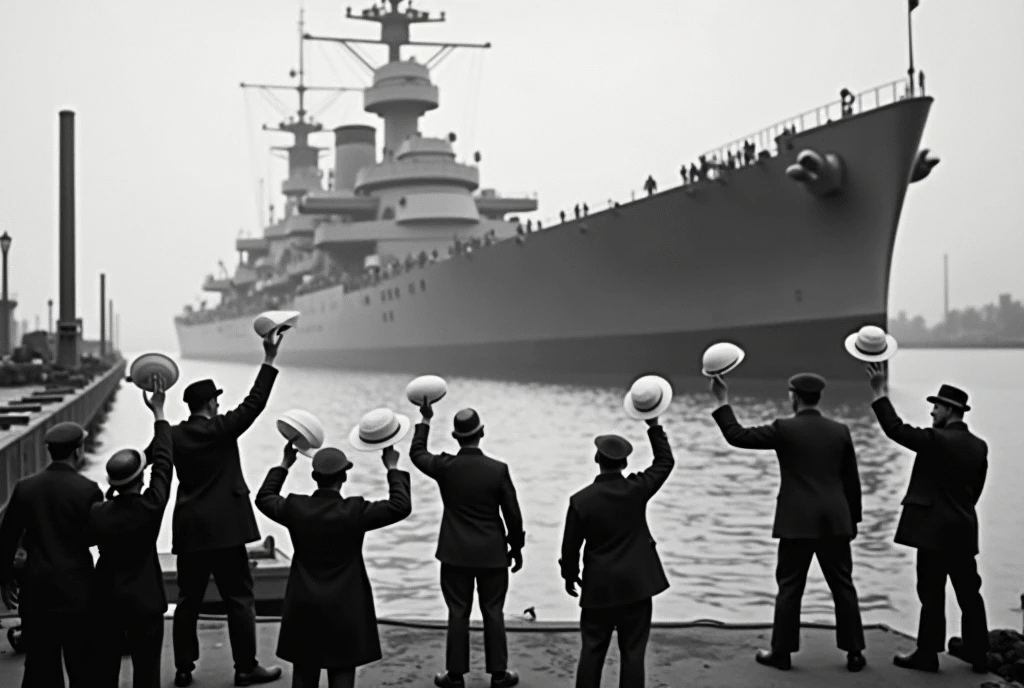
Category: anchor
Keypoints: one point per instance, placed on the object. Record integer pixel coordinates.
(821, 175)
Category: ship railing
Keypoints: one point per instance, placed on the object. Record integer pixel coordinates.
(865, 101)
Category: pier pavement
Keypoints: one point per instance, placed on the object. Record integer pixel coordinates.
(545, 654)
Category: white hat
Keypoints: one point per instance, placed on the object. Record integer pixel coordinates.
(379, 429)
(303, 429)
(721, 358)
(147, 365)
(426, 388)
(649, 396)
(268, 321)
(871, 344)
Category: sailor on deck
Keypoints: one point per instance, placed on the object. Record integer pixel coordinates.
(130, 596)
(51, 510)
(213, 520)
(819, 506)
(472, 543)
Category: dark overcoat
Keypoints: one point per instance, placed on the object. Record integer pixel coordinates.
(620, 560)
(945, 483)
(328, 619)
(51, 510)
(474, 488)
(819, 495)
(125, 528)
(213, 509)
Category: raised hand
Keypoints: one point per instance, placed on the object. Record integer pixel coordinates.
(390, 458)
(651, 422)
(156, 402)
(878, 379)
(270, 344)
(720, 389)
(426, 410)
(290, 454)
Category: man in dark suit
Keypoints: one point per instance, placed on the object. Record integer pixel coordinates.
(940, 521)
(472, 543)
(213, 520)
(51, 509)
(129, 599)
(622, 571)
(817, 514)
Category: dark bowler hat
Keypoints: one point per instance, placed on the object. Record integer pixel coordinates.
(951, 396)
(467, 423)
(330, 461)
(125, 466)
(66, 433)
(807, 382)
(201, 391)
(613, 447)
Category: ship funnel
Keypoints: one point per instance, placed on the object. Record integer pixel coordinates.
(355, 147)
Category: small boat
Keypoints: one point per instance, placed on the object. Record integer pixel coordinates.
(269, 566)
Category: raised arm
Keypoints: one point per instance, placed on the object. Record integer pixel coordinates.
(756, 437)
(239, 419)
(268, 498)
(655, 476)
(159, 490)
(851, 480)
(915, 439)
(396, 507)
(418, 452)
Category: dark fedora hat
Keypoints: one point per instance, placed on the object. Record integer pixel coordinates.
(200, 392)
(951, 396)
(467, 423)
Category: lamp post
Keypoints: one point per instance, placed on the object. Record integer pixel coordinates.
(5, 331)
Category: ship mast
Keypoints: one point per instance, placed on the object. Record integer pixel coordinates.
(303, 158)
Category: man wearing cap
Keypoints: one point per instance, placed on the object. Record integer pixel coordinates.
(213, 520)
(130, 598)
(940, 521)
(473, 545)
(51, 510)
(328, 621)
(622, 571)
(819, 507)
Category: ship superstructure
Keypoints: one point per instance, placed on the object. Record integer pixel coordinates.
(781, 241)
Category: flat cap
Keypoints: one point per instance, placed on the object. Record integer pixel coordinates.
(807, 382)
(66, 433)
(329, 461)
(613, 447)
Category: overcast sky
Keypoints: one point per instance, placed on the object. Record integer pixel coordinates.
(577, 101)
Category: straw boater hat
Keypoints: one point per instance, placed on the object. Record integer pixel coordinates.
(268, 321)
(303, 429)
(721, 358)
(379, 429)
(871, 344)
(426, 388)
(146, 366)
(649, 396)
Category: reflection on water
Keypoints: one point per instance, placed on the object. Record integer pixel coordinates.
(712, 520)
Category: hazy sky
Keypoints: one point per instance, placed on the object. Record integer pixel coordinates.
(577, 101)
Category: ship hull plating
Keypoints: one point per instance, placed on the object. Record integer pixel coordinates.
(753, 258)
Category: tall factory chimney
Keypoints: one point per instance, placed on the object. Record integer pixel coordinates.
(67, 325)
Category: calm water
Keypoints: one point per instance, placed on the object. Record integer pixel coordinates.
(712, 519)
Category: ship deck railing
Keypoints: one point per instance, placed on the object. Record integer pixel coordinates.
(865, 101)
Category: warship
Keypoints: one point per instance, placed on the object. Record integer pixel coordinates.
(399, 260)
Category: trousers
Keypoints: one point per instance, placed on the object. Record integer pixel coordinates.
(309, 677)
(933, 568)
(836, 564)
(230, 570)
(632, 622)
(47, 636)
(145, 640)
(457, 589)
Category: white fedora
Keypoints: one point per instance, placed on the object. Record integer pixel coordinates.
(268, 321)
(871, 344)
(146, 366)
(426, 388)
(303, 429)
(649, 396)
(379, 429)
(721, 358)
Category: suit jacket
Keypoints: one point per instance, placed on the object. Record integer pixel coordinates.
(328, 619)
(473, 488)
(620, 562)
(51, 510)
(128, 575)
(212, 510)
(820, 491)
(945, 483)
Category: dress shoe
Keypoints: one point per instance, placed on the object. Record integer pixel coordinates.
(257, 675)
(182, 678)
(979, 665)
(920, 660)
(855, 661)
(445, 680)
(779, 660)
(505, 680)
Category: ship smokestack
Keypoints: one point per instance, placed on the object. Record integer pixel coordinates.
(355, 147)
(67, 325)
(103, 315)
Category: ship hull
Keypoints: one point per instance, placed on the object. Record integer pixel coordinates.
(644, 287)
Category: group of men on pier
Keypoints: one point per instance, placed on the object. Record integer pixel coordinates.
(329, 621)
